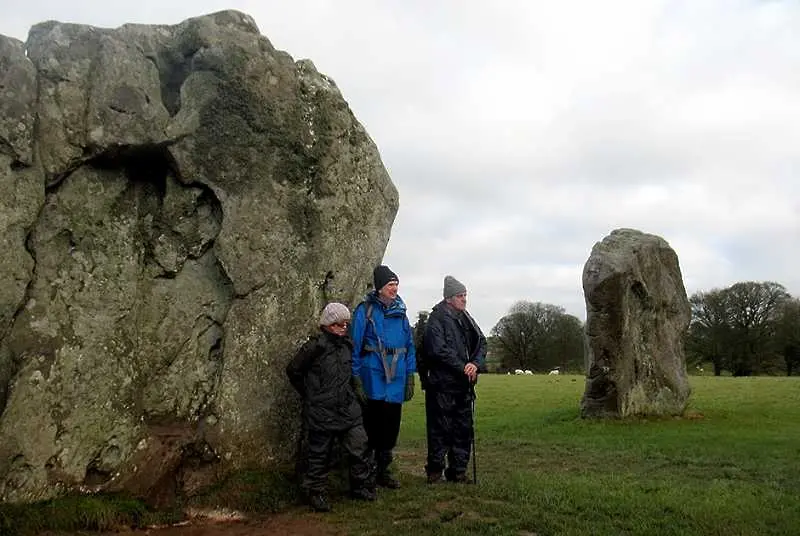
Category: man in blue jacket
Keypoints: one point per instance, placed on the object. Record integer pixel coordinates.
(384, 362)
(455, 349)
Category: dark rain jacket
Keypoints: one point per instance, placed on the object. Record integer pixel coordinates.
(452, 339)
(321, 372)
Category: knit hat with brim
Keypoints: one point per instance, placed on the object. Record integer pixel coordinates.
(334, 313)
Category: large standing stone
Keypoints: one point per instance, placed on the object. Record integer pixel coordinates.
(195, 198)
(637, 314)
(21, 188)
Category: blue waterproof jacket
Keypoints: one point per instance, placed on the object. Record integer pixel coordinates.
(383, 348)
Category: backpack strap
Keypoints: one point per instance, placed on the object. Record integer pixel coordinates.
(389, 363)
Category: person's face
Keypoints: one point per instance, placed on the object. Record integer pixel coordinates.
(340, 328)
(389, 291)
(459, 301)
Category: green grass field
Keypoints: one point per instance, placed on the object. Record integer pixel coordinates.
(732, 467)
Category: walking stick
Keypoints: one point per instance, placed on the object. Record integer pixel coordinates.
(474, 452)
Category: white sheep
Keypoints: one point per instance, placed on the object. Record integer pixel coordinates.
(519, 371)
(554, 372)
(528, 372)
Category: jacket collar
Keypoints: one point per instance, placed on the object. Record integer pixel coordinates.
(397, 306)
(335, 339)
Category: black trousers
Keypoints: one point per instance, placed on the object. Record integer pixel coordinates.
(320, 445)
(382, 421)
(448, 419)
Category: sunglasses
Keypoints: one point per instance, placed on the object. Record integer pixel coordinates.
(340, 324)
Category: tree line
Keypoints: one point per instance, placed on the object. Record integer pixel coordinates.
(745, 329)
(532, 336)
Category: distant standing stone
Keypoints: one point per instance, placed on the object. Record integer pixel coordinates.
(637, 314)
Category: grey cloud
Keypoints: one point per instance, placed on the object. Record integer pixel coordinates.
(519, 134)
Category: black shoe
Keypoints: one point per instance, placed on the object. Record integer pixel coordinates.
(364, 494)
(319, 503)
(457, 477)
(435, 478)
(386, 480)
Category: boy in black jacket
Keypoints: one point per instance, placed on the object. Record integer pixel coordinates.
(321, 372)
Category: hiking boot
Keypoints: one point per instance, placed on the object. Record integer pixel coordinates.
(386, 480)
(457, 477)
(319, 503)
(364, 494)
(460, 478)
(435, 478)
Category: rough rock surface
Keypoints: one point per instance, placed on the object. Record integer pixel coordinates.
(177, 203)
(637, 314)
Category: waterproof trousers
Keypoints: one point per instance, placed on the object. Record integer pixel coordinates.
(449, 427)
(320, 445)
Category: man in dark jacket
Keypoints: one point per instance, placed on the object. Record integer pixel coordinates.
(455, 349)
(321, 373)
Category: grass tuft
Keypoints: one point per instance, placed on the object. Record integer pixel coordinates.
(251, 491)
(79, 512)
(245, 491)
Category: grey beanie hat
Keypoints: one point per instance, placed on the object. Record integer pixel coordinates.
(452, 286)
(334, 313)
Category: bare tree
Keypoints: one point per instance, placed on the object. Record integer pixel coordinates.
(735, 327)
(754, 311)
(538, 336)
(788, 334)
(709, 332)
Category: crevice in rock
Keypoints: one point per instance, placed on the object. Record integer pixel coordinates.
(174, 67)
(215, 351)
(53, 180)
(120, 110)
(638, 290)
(208, 204)
(141, 163)
(251, 290)
(5, 330)
(95, 476)
(325, 286)
(216, 354)
(7, 149)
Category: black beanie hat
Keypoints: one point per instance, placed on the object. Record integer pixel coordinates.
(382, 275)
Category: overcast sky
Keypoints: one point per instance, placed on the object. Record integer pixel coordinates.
(520, 133)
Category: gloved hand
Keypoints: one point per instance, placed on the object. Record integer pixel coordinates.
(409, 388)
(423, 381)
(358, 388)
